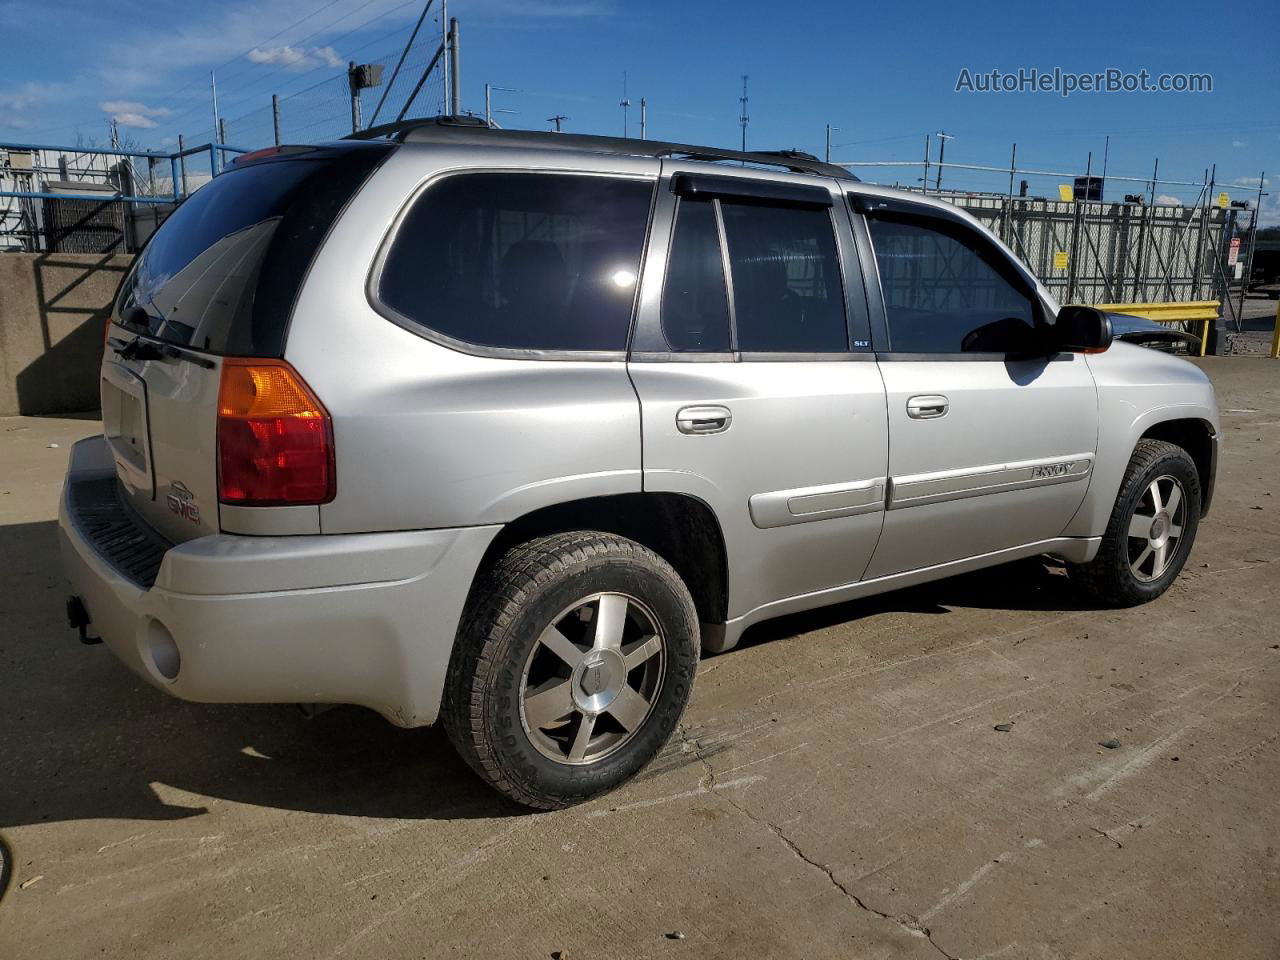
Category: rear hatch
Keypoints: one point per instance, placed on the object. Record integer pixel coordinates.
(217, 280)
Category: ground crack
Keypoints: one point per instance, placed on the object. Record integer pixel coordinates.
(708, 779)
(1103, 833)
(905, 921)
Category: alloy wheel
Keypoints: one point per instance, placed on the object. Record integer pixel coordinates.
(1155, 529)
(592, 678)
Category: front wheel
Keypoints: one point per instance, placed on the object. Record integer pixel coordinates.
(1152, 528)
(575, 660)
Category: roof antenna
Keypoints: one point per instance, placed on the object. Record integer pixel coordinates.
(556, 120)
(625, 104)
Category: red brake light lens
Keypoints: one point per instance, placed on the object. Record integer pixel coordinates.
(275, 438)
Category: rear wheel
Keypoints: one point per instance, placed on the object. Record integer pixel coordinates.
(574, 662)
(1152, 527)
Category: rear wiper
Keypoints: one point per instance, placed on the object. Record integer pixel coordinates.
(142, 349)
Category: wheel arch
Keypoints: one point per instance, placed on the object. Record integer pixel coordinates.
(680, 528)
(1198, 437)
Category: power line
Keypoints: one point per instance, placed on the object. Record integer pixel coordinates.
(255, 85)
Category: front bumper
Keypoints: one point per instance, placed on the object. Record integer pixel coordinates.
(367, 619)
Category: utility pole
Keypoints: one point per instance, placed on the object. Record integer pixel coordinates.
(943, 137)
(488, 107)
(925, 179)
(182, 161)
(1154, 173)
(556, 120)
(643, 119)
(275, 117)
(455, 85)
(829, 129)
(115, 134)
(1106, 149)
(353, 85)
(624, 103)
(444, 51)
(213, 82)
(1253, 242)
(743, 118)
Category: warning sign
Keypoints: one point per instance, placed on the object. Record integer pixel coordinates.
(1224, 201)
(1233, 253)
(1066, 192)
(1060, 260)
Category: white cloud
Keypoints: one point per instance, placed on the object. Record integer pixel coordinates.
(1237, 144)
(1249, 182)
(1167, 199)
(131, 113)
(17, 105)
(297, 58)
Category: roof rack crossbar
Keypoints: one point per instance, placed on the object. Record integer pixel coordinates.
(466, 129)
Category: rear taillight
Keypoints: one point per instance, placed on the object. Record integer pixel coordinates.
(275, 439)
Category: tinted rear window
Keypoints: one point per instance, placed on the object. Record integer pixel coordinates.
(222, 272)
(521, 261)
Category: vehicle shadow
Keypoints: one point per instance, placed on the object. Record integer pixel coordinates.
(1035, 583)
(83, 738)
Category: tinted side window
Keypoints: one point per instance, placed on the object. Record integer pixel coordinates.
(787, 294)
(695, 303)
(526, 261)
(945, 292)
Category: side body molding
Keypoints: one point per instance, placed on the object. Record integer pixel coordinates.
(779, 508)
(922, 488)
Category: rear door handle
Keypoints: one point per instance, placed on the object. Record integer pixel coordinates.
(701, 420)
(927, 408)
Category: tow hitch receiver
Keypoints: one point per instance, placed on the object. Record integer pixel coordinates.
(78, 619)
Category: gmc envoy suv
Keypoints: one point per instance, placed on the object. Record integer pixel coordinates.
(504, 429)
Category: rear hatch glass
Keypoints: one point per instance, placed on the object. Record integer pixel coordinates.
(219, 278)
(222, 272)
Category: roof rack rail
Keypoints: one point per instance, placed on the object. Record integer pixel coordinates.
(473, 130)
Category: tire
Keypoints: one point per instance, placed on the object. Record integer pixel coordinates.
(1128, 571)
(530, 629)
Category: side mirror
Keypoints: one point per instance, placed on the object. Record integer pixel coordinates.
(1081, 329)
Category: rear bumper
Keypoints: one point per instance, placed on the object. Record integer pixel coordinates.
(368, 619)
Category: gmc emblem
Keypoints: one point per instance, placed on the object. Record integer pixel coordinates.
(182, 502)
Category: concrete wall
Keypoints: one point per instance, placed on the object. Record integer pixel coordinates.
(52, 310)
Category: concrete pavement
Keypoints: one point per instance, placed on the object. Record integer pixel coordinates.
(838, 789)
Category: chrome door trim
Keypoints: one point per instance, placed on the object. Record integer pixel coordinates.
(921, 488)
(780, 508)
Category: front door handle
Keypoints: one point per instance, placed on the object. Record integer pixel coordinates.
(927, 408)
(701, 420)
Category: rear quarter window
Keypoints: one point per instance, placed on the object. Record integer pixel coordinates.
(520, 261)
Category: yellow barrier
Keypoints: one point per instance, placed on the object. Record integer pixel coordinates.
(1203, 312)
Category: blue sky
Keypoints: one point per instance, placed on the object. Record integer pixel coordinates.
(884, 74)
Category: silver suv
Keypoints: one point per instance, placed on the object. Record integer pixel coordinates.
(504, 429)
